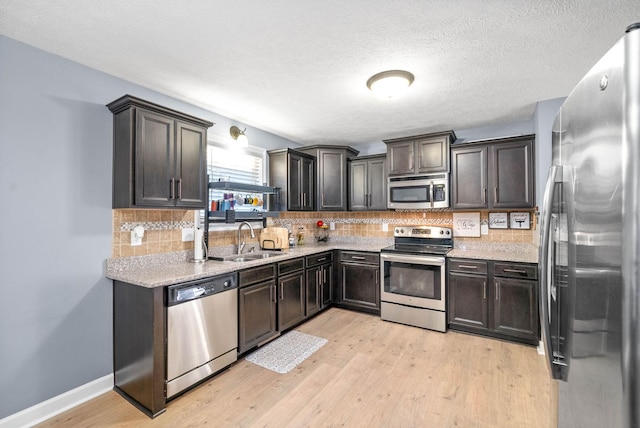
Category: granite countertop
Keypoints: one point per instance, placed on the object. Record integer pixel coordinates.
(507, 252)
(161, 270)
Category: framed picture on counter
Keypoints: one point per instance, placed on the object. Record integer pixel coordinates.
(498, 221)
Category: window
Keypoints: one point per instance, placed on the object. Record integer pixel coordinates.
(240, 166)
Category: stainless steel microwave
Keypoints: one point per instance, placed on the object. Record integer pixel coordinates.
(418, 192)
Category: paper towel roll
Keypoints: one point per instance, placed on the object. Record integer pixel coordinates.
(198, 244)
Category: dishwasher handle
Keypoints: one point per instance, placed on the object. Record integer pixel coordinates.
(182, 293)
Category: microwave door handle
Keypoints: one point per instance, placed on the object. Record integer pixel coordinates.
(555, 176)
(432, 193)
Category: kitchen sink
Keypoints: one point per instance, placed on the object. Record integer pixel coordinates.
(246, 257)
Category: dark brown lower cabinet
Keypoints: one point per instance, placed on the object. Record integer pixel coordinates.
(138, 346)
(494, 299)
(257, 316)
(359, 281)
(291, 300)
(319, 282)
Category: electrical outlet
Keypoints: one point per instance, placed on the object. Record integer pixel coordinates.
(385, 227)
(135, 239)
(332, 225)
(188, 234)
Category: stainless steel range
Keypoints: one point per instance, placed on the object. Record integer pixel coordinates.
(413, 276)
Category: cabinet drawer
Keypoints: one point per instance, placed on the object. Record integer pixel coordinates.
(289, 266)
(468, 266)
(317, 259)
(511, 270)
(256, 274)
(360, 257)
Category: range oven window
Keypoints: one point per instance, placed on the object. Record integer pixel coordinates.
(415, 280)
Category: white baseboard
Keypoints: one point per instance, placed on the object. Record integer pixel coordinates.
(58, 404)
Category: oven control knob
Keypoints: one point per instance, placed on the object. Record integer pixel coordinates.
(442, 232)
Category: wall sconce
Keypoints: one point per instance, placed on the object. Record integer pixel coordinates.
(239, 136)
(390, 84)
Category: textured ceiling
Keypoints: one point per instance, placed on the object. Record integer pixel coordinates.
(298, 68)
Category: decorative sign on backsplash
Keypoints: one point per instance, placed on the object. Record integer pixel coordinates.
(466, 224)
(520, 220)
(498, 221)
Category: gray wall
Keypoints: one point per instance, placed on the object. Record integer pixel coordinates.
(543, 118)
(55, 220)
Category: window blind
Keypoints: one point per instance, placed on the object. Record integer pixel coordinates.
(231, 165)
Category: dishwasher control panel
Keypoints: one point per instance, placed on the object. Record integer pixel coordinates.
(181, 293)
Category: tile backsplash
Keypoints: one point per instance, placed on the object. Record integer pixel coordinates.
(163, 228)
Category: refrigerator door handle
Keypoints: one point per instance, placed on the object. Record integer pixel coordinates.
(555, 176)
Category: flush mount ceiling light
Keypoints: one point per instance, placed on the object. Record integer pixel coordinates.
(239, 136)
(390, 84)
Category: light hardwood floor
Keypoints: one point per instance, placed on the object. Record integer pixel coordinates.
(371, 373)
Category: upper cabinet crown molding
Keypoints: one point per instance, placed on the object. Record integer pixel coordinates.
(420, 154)
(159, 156)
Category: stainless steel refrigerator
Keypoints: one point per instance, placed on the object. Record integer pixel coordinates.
(590, 245)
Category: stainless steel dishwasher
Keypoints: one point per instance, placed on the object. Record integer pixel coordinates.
(202, 330)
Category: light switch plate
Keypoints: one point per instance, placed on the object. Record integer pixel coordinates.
(385, 227)
(187, 234)
(135, 239)
(332, 225)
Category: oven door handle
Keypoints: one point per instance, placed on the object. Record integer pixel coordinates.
(411, 258)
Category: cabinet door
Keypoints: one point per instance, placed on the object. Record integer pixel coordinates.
(467, 300)
(360, 285)
(291, 299)
(400, 158)
(332, 180)
(515, 307)
(314, 283)
(433, 155)
(327, 285)
(308, 184)
(257, 314)
(294, 202)
(511, 171)
(358, 189)
(469, 177)
(155, 183)
(191, 168)
(377, 184)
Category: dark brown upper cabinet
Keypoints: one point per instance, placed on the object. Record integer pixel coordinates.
(159, 156)
(422, 154)
(294, 173)
(368, 183)
(332, 175)
(493, 174)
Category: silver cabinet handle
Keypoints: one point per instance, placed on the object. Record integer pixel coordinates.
(321, 259)
(467, 267)
(282, 291)
(172, 190)
(324, 275)
(515, 270)
(180, 188)
(358, 258)
(484, 195)
(495, 195)
(497, 291)
(484, 290)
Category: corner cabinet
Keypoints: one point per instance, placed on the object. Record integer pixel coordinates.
(493, 174)
(159, 156)
(295, 174)
(498, 299)
(422, 154)
(368, 183)
(332, 175)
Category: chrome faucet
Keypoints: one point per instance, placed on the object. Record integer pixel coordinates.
(241, 237)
